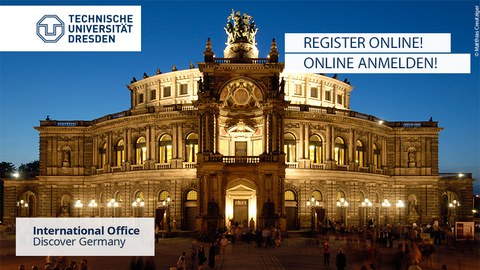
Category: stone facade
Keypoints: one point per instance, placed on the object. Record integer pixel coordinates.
(238, 139)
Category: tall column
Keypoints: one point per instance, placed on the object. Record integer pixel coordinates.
(147, 142)
(180, 140)
(153, 141)
(174, 141)
(129, 145)
(352, 146)
(217, 132)
(95, 151)
(109, 158)
(275, 133)
(201, 135)
(306, 145)
(328, 148)
(265, 131)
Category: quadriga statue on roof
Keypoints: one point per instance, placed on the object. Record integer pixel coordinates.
(240, 36)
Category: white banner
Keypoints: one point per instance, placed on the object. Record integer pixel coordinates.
(379, 63)
(70, 28)
(367, 42)
(85, 237)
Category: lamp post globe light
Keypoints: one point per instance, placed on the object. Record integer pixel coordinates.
(166, 203)
(20, 206)
(400, 205)
(93, 205)
(452, 208)
(312, 203)
(137, 205)
(343, 204)
(386, 204)
(78, 205)
(366, 204)
(112, 204)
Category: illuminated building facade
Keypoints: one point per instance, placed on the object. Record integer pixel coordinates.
(239, 138)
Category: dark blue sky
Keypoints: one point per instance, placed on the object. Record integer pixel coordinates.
(84, 86)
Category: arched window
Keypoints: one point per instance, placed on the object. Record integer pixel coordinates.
(140, 151)
(102, 155)
(119, 153)
(139, 195)
(191, 147)
(192, 195)
(360, 154)
(163, 195)
(340, 195)
(340, 151)
(138, 204)
(290, 148)
(316, 149)
(165, 149)
(317, 195)
(289, 195)
(376, 157)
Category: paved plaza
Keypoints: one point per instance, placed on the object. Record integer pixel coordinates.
(296, 252)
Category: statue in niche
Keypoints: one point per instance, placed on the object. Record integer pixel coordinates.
(213, 209)
(66, 158)
(411, 157)
(65, 209)
(412, 211)
(268, 209)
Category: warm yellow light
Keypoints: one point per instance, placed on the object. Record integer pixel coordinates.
(400, 204)
(78, 204)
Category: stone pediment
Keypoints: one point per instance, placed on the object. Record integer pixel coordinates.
(241, 188)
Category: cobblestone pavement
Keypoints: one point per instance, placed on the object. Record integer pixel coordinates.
(295, 253)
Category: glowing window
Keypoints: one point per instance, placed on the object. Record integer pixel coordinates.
(192, 195)
(317, 195)
(289, 195)
(165, 149)
(163, 195)
(315, 149)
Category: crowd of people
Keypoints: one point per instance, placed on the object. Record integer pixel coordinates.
(60, 263)
(415, 246)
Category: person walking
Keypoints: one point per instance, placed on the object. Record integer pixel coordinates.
(193, 253)
(223, 245)
(326, 254)
(414, 266)
(341, 260)
(201, 256)
(181, 263)
(211, 255)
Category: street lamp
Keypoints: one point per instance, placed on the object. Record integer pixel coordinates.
(452, 205)
(112, 204)
(366, 204)
(386, 204)
(343, 204)
(93, 205)
(166, 203)
(78, 205)
(20, 205)
(312, 203)
(400, 205)
(137, 204)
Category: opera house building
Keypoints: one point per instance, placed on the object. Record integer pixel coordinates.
(237, 138)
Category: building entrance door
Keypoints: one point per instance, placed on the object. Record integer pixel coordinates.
(240, 203)
(240, 211)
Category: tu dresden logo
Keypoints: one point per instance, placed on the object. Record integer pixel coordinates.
(50, 28)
